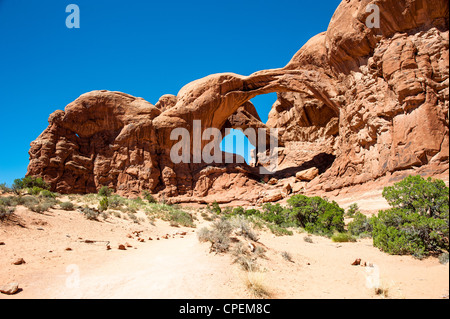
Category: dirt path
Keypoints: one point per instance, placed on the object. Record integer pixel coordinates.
(174, 268)
(168, 268)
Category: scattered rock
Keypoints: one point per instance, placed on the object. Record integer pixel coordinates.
(19, 261)
(356, 262)
(121, 247)
(272, 181)
(9, 289)
(2, 243)
(108, 247)
(128, 245)
(68, 249)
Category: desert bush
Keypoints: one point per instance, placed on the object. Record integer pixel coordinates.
(416, 194)
(215, 208)
(360, 225)
(247, 262)
(286, 255)
(47, 193)
(5, 188)
(243, 226)
(66, 205)
(29, 182)
(35, 190)
(180, 217)
(148, 197)
(308, 239)
(352, 210)
(418, 222)
(27, 200)
(275, 213)
(443, 258)
(316, 215)
(218, 236)
(342, 237)
(5, 212)
(115, 201)
(105, 191)
(39, 208)
(103, 205)
(279, 231)
(89, 213)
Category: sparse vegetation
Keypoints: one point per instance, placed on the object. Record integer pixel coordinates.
(67, 206)
(352, 210)
(103, 205)
(342, 237)
(105, 191)
(254, 282)
(360, 226)
(90, 213)
(148, 197)
(287, 256)
(218, 236)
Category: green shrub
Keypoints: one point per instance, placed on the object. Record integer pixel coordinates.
(40, 208)
(279, 231)
(103, 205)
(275, 214)
(148, 196)
(352, 210)
(342, 238)
(115, 201)
(316, 215)
(66, 206)
(360, 225)
(180, 217)
(416, 194)
(35, 190)
(47, 193)
(105, 191)
(5, 188)
(215, 208)
(418, 222)
(29, 182)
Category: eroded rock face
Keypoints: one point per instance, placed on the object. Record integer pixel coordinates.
(354, 102)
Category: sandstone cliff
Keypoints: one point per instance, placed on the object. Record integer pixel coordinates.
(356, 102)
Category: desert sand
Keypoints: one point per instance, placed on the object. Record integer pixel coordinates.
(60, 264)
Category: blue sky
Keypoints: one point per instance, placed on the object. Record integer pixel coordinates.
(143, 48)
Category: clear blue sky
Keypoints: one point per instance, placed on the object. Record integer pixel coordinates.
(143, 48)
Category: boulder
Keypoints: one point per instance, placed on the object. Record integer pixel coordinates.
(308, 174)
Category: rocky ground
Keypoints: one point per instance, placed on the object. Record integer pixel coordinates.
(61, 254)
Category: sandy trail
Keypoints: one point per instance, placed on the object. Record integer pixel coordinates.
(168, 268)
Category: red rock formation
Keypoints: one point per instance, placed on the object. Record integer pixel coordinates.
(355, 102)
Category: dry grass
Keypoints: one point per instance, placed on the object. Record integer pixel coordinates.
(254, 281)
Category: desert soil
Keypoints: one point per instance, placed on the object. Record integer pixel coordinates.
(59, 263)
